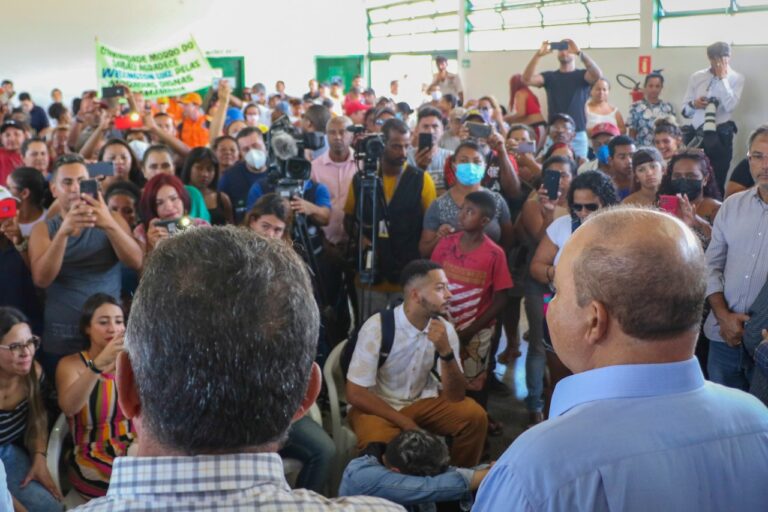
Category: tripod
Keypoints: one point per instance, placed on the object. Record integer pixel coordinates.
(371, 192)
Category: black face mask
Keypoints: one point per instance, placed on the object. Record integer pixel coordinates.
(689, 187)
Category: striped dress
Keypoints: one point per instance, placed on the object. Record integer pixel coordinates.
(100, 432)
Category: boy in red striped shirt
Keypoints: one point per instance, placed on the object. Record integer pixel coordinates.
(478, 275)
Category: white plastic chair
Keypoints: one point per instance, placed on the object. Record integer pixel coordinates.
(292, 467)
(55, 444)
(343, 436)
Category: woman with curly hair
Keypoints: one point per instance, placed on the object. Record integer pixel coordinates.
(588, 192)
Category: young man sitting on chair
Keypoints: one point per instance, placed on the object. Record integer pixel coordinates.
(421, 384)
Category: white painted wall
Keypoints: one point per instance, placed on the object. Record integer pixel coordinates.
(489, 73)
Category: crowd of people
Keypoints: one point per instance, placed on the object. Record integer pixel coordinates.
(170, 291)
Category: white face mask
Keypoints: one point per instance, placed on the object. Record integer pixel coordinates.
(138, 147)
(252, 119)
(256, 158)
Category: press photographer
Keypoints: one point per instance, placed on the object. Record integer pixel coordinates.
(384, 212)
(290, 177)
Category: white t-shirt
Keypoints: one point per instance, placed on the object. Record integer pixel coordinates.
(559, 232)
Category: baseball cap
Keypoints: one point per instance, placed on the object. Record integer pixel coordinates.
(12, 123)
(355, 106)
(163, 99)
(8, 203)
(473, 114)
(192, 97)
(560, 116)
(402, 106)
(607, 128)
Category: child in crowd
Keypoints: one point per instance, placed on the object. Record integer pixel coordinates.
(478, 275)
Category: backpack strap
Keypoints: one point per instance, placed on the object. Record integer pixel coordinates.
(387, 334)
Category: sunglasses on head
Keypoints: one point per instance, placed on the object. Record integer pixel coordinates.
(592, 207)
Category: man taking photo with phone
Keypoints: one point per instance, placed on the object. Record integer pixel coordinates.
(75, 255)
(567, 87)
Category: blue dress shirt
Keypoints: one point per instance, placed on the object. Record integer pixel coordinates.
(646, 437)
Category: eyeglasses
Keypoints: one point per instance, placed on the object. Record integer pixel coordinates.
(20, 347)
(592, 207)
(758, 157)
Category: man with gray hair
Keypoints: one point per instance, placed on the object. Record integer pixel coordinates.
(636, 427)
(212, 393)
(712, 95)
(738, 270)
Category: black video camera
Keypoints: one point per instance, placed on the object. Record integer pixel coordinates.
(368, 149)
(286, 145)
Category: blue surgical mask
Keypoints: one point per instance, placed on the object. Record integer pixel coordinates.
(469, 173)
(603, 153)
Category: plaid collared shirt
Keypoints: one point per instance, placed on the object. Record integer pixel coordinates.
(216, 483)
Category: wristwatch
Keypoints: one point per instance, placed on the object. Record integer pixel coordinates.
(450, 356)
(91, 366)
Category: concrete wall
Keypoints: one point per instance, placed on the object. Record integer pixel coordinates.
(489, 72)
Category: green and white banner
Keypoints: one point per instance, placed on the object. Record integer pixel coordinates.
(168, 72)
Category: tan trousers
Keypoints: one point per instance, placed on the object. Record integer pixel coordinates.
(466, 422)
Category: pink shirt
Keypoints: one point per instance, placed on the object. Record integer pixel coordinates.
(337, 176)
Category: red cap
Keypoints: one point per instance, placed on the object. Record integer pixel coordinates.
(355, 106)
(609, 128)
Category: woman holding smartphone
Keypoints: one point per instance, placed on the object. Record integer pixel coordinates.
(690, 192)
(587, 193)
(88, 397)
(164, 203)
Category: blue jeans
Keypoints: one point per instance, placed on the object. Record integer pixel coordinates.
(536, 358)
(725, 365)
(309, 443)
(34, 496)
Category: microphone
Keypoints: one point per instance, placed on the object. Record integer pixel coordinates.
(284, 146)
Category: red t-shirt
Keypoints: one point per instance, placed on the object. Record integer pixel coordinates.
(9, 161)
(473, 277)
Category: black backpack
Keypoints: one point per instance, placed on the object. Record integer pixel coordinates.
(387, 340)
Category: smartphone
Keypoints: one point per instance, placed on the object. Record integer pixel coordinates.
(425, 141)
(218, 79)
(552, 183)
(8, 208)
(90, 187)
(100, 169)
(131, 121)
(562, 45)
(479, 130)
(116, 91)
(526, 147)
(174, 226)
(669, 204)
